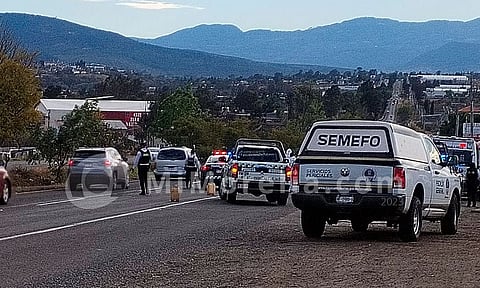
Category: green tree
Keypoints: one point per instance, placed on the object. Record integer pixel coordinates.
(405, 114)
(19, 90)
(305, 107)
(246, 100)
(121, 87)
(332, 102)
(168, 114)
(373, 99)
(19, 94)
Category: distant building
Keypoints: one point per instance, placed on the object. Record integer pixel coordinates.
(128, 112)
(444, 79)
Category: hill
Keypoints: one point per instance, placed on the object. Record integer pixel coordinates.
(371, 43)
(61, 40)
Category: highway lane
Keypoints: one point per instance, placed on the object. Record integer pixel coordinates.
(148, 241)
(49, 241)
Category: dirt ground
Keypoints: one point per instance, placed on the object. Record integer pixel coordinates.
(277, 255)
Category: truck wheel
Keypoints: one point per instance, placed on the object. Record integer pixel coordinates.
(359, 225)
(313, 224)
(73, 185)
(449, 223)
(410, 224)
(271, 197)
(222, 194)
(282, 199)
(232, 197)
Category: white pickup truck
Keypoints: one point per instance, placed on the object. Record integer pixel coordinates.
(366, 171)
(258, 167)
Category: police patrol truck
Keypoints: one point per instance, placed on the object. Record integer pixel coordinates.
(465, 149)
(366, 171)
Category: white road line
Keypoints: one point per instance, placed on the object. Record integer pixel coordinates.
(103, 219)
(71, 200)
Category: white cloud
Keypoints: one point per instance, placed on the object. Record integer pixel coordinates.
(154, 5)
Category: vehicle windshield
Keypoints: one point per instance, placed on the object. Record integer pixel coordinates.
(258, 154)
(171, 154)
(89, 154)
(464, 156)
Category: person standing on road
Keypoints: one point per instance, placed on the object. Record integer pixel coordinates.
(190, 168)
(142, 162)
(472, 184)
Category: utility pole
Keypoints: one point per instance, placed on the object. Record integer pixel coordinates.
(471, 105)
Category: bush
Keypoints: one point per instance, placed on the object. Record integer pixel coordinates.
(33, 176)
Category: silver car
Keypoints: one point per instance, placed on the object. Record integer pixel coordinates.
(171, 161)
(90, 166)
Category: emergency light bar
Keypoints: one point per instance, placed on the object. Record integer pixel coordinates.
(219, 152)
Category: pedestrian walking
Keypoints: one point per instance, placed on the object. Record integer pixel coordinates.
(142, 162)
(472, 184)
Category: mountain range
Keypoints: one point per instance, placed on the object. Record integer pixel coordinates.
(225, 50)
(371, 43)
(60, 40)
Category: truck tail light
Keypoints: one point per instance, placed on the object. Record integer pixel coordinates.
(399, 180)
(71, 163)
(234, 170)
(288, 173)
(107, 163)
(295, 173)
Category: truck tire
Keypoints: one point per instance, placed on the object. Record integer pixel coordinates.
(222, 194)
(449, 223)
(359, 225)
(73, 185)
(282, 199)
(271, 197)
(410, 225)
(232, 197)
(313, 224)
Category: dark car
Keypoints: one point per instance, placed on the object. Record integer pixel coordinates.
(93, 166)
(211, 171)
(5, 184)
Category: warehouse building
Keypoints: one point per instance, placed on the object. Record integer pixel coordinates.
(127, 112)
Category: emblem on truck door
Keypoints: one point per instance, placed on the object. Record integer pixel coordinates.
(370, 174)
(344, 172)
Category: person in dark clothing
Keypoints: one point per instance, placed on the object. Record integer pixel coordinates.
(190, 167)
(142, 161)
(472, 184)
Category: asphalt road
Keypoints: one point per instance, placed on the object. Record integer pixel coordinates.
(46, 240)
(49, 241)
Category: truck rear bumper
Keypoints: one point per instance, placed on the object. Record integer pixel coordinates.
(338, 206)
(255, 187)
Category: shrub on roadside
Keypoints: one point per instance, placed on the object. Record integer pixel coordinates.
(33, 176)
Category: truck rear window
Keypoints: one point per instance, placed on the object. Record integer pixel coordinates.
(171, 154)
(89, 154)
(258, 154)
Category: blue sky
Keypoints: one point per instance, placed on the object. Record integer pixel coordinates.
(151, 18)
